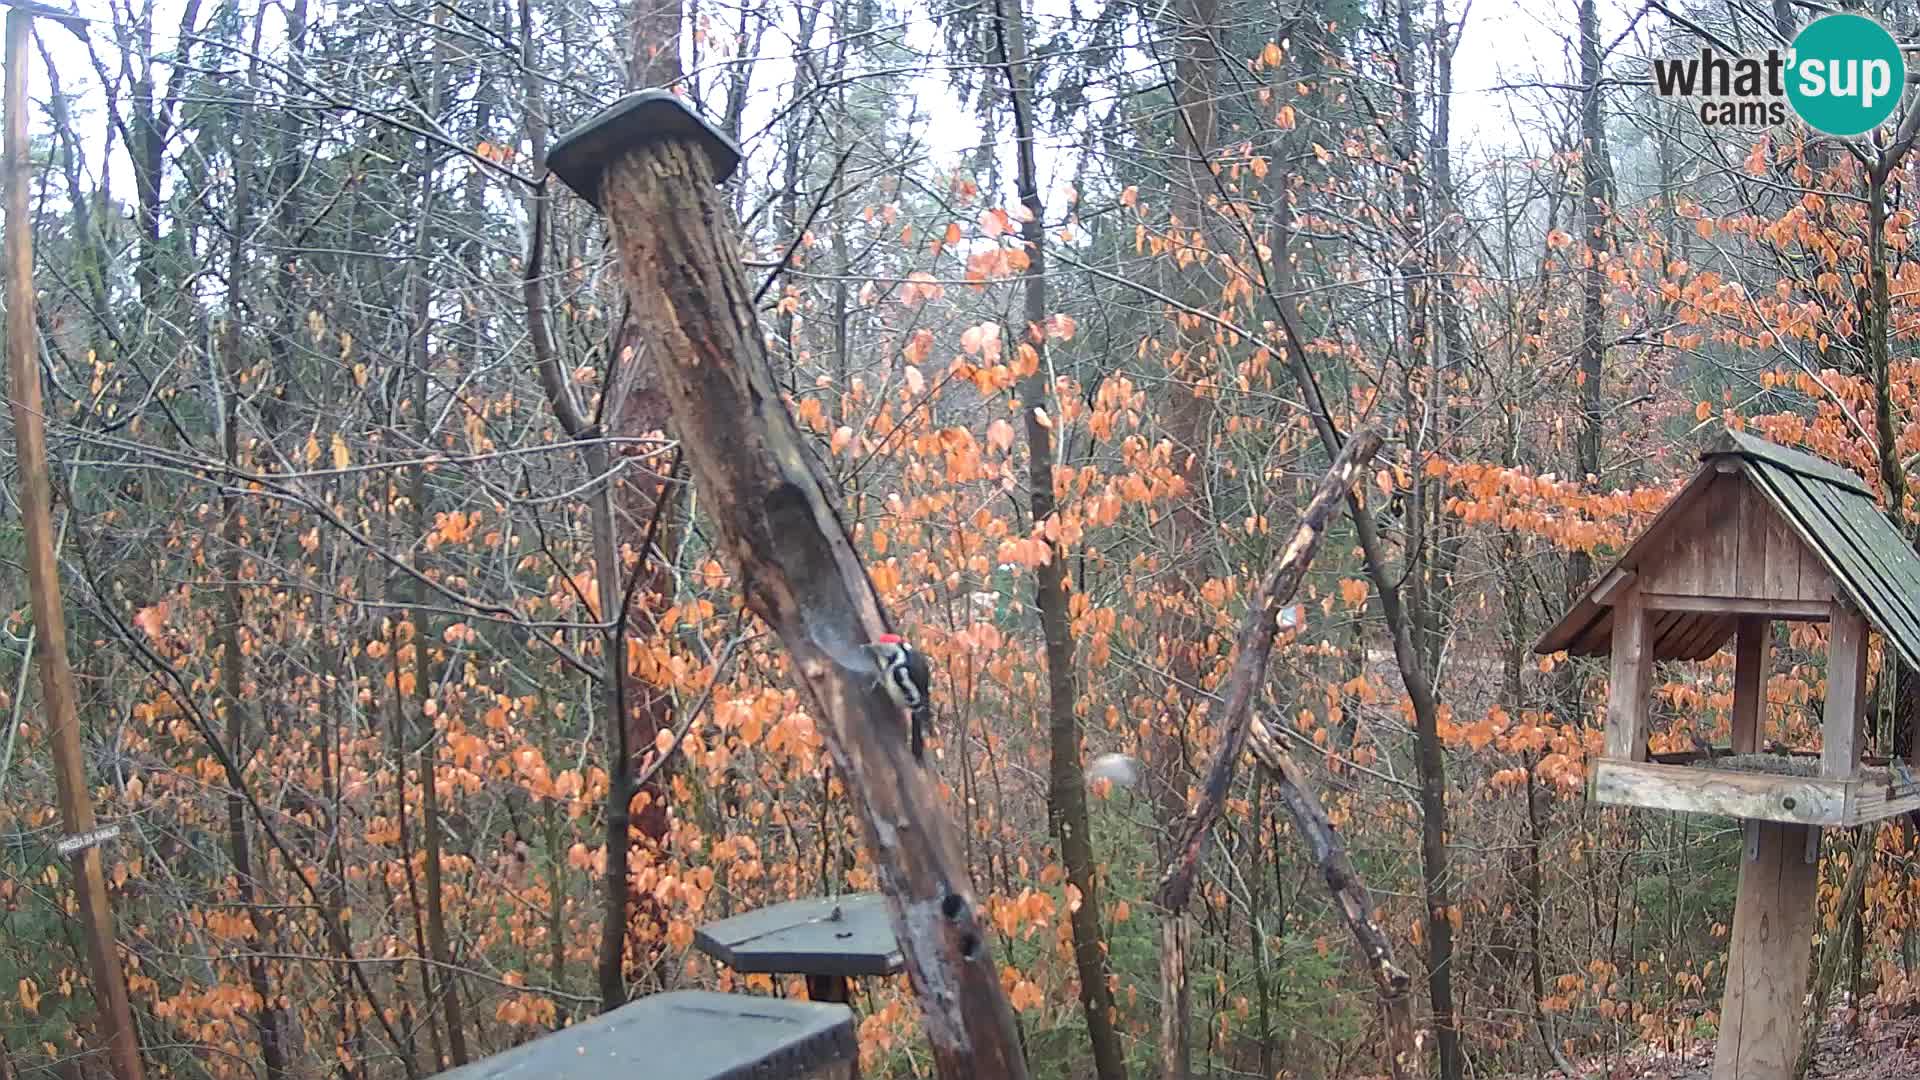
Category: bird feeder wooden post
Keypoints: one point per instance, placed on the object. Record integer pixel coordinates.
(1762, 534)
(652, 166)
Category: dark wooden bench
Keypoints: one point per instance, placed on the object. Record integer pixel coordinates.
(827, 939)
(688, 1035)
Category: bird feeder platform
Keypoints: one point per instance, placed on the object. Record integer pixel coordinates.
(827, 939)
(1761, 534)
(687, 1035)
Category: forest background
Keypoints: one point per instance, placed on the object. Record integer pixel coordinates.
(424, 702)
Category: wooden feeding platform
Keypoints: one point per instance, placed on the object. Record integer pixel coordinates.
(1788, 788)
(830, 940)
(1762, 533)
(687, 1035)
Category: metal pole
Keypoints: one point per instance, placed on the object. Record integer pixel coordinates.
(43, 574)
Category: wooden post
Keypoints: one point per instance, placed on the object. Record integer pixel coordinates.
(1752, 663)
(652, 166)
(1768, 956)
(43, 574)
(833, 989)
(1629, 697)
(1843, 725)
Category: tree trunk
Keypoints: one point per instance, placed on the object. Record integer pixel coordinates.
(1595, 194)
(426, 729)
(1417, 623)
(1190, 418)
(270, 1020)
(59, 694)
(795, 563)
(1067, 780)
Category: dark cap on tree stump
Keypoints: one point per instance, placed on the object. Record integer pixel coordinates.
(581, 156)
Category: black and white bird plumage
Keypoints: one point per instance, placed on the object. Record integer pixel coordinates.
(906, 677)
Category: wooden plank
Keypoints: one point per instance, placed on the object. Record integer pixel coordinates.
(1577, 632)
(1892, 583)
(1720, 538)
(1804, 800)
(1631, 686)
(1750, 558)
(1679, 563)
(1579, 620)
(1612, 584)
(1598, 639)
(1816, 581)
(1704, 635)
(1752, 664)
(1768, 957)
(1663, 635)
(1876, 802)
(1700, 556)
(838, 936)
(1798, 610)
(1840, 725)
(1818, 530)
(1784, 551)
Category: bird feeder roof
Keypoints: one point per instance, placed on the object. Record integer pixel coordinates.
(683, 1035)
(1826, 514)
(848, 936)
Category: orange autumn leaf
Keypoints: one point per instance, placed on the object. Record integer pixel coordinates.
(151, 620)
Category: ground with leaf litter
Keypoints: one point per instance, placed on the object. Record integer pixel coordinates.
(1881, 1047)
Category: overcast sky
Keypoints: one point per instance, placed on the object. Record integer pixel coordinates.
(1507, 43)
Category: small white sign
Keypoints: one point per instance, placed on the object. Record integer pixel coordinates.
(71, 844)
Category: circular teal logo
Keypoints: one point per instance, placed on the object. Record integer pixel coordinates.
(1846, 75)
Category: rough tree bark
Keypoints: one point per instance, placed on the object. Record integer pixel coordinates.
(652, 166)
(1190, 421)
(1067, 781)
(1595, 193)
(636, 500)
(1258, 631)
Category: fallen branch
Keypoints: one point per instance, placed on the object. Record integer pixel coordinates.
(1258, 631)
(1330, 855)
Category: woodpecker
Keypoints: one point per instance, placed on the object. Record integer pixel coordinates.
(904, 675)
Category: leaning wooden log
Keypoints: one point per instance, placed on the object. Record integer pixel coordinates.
(651, 165)
(1258, 631)
(1391, 984)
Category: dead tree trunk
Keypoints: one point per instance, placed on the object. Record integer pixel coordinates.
(652, 166)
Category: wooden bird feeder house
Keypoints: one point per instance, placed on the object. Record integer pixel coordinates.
(1761, 534)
